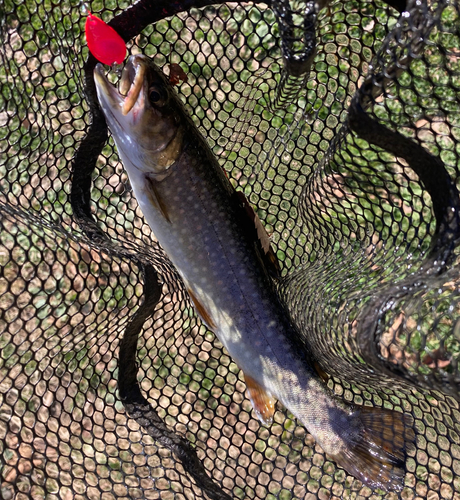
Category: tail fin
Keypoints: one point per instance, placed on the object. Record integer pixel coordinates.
(377, 453)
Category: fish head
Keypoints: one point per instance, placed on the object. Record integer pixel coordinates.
(144, 116)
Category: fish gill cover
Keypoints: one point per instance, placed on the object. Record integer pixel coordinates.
(110, 387)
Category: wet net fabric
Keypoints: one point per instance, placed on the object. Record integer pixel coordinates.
(110, 387)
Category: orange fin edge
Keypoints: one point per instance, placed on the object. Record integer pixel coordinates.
(324, 376)
(262, 402)
(201, 310)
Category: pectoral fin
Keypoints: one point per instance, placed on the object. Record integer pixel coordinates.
(155, 198)
(263, 403)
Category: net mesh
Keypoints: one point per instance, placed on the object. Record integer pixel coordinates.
(110, 387)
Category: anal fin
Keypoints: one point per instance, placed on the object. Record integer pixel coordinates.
(263, 403)
(324, 376)
(201, 310)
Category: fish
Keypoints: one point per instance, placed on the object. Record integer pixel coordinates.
(214, 240)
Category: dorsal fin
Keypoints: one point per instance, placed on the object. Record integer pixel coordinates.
(259, 233)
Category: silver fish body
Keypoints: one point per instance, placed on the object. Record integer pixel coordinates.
(192, 209)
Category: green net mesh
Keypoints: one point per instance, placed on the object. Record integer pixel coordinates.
(353, 169)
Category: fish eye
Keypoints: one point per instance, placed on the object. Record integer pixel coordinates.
(155, 95)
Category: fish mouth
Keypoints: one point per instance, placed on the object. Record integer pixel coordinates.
(129, 89)
(141, 131)
(132, 82)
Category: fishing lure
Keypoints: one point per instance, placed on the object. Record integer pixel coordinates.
(104, 42)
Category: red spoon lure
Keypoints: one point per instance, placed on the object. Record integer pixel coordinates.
(104, 42)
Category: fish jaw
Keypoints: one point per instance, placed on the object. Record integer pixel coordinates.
(148, 135)
(112, 103)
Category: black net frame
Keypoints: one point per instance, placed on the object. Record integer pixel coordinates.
(110, 387)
